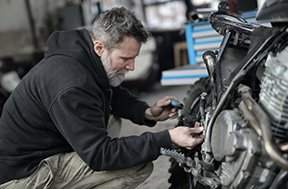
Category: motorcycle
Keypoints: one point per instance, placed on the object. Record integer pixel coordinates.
(242, 105)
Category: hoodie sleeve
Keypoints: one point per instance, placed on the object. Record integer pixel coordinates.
(126, 105)
(81, 122)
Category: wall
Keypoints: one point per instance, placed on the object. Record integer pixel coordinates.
(15, 32)
(14, 28)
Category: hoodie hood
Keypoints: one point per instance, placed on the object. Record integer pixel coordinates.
(77, 44)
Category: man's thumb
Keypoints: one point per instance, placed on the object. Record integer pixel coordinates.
(197, 130)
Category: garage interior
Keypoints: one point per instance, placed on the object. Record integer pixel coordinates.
(25, 25)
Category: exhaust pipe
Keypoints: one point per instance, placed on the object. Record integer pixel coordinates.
(261, 123)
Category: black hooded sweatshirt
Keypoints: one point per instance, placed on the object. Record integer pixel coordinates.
(63, 105)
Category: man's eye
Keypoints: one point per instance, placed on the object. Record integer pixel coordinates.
(125, 59)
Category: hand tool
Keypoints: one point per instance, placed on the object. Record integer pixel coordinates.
(176, 104)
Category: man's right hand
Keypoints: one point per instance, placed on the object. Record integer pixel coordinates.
(187, 137)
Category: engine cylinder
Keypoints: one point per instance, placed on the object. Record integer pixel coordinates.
(274, 93)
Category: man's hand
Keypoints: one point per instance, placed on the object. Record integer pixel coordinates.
(162, 110)
(187, 137)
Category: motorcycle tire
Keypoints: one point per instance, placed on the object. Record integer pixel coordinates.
(193, 94)
(179, 179)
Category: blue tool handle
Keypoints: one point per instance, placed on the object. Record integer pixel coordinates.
(176, 104)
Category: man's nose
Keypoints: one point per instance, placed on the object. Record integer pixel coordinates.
(131, 65)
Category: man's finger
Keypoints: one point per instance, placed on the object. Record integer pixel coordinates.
(197, 124)
(165, 101)
(194, 141)
(173, 115)
(198, 140)
(196, 130)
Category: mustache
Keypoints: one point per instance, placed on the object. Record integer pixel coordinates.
(123, 71)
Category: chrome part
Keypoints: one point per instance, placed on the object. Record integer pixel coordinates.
(209, 58)
(180, 158)
(206, 146)
(237, 147)
(274, 93)
(280, 179)
(202, 108)
(260, 120)
(191, 166)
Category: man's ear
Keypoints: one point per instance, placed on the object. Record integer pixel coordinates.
(98, 47)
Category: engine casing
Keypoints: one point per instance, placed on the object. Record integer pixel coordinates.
(237, 148)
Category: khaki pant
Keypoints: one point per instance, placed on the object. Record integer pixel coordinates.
(69, 171)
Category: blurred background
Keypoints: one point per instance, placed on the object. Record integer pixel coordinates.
(26, 24)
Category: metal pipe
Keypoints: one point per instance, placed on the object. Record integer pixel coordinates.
(261, 123)
(280, 179)
(209, 60)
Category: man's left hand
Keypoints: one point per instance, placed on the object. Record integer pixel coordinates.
(162, 110)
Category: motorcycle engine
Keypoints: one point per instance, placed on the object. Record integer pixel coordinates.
(236, 147)
(242, 160)
(274, 94)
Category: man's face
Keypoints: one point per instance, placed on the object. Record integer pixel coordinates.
(119, 61)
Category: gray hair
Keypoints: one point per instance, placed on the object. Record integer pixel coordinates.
(113, 25)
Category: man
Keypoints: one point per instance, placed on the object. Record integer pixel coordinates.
(53, 130)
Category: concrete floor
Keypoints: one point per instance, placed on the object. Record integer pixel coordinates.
(160, 175)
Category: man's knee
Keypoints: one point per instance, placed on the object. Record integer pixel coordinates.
(143, 171)
(148, 168)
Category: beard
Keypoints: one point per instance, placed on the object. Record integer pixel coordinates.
(115, 77)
